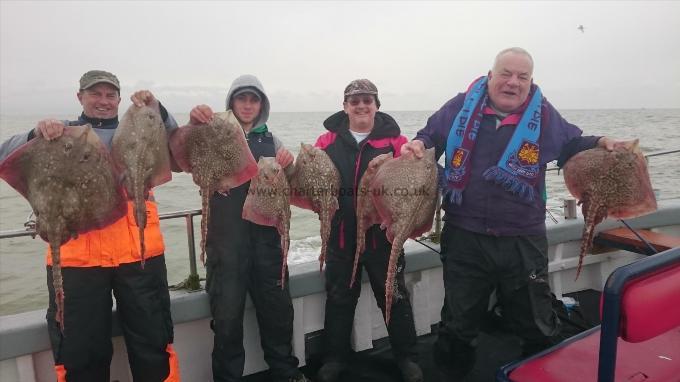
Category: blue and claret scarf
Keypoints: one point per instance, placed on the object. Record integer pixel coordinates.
(517, 170)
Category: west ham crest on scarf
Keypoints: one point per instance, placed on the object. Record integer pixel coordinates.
(525, 161)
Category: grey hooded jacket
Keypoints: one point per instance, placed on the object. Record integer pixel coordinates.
(248, 81)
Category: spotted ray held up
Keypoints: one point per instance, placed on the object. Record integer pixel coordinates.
(367, 215)
(72, 187)
(218, 158)
(268, 203)
(315, 184)
(609, 183)
(140, 152)
(404, 197)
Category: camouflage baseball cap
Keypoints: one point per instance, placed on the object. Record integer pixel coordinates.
(94, 77)
(362, 86)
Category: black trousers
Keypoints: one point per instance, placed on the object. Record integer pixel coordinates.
(253, 266)
(474, 266)
(341, 301)
(143, 305)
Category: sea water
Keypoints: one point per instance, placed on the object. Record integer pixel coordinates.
(22, 262)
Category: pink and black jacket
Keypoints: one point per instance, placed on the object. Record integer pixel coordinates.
(351, 159)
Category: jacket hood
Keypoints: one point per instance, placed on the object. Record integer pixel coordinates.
(384, 126)
(250, 81)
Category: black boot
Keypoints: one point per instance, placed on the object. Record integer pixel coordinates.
(454, 359)
(410, 371)
(330, 371)
(298, 378)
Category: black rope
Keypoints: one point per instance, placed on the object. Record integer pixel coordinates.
(649, 246)
(427, 246)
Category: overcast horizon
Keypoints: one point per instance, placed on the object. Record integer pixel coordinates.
(418, 54)
(78, 110)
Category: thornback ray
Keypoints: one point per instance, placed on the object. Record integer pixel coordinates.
(367, 214)
(609, 183)
(315, 184)
(140, 152)
(268, 204)
(404, 194)
(72, 187)
(218, 158)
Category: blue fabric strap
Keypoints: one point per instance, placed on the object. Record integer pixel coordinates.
(518, 168)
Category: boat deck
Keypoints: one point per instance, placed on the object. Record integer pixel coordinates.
(496, 348)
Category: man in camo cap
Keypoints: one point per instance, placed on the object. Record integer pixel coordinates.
(355, 136)
(362, 86)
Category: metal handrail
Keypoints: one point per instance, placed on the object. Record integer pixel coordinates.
(30, 230)
(662, 152)
(190, 283)
(648, 155)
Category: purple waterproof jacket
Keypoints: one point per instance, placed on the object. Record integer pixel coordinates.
(486, 207)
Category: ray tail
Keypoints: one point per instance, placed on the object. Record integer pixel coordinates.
(205, 216)
(58, 284)
(593, 213)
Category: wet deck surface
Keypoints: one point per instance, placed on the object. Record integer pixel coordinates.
(379, 365)
(496, 348)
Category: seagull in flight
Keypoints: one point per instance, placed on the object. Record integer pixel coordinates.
(580, 27)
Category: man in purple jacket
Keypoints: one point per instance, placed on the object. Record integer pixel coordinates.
(498, 137)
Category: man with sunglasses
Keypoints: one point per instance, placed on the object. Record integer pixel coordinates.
(355, 136)
(498, 137)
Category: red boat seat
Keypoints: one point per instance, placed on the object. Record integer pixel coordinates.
(644, 312)
(650, 306)
(654, 360)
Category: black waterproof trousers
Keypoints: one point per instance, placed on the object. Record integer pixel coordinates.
(476, 264)
(341, 300)
(85, 349)
(243, 257)
(255, 268)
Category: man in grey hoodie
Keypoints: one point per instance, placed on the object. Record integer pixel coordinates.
(246, 257)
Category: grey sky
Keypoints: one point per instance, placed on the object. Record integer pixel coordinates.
(418, 54)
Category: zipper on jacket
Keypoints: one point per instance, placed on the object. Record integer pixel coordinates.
(355, 196)
(342, 234)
